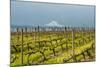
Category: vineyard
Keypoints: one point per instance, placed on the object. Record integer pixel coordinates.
(51, 45)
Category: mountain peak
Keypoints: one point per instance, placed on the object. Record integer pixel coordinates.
(54, 24)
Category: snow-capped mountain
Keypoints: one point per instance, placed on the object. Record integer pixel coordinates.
(54, 24)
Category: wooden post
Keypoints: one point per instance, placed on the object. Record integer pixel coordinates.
(28, 54)
(83, 53)
(83, 36)
(38, 28)
(17, 35)
(35, 34)
(66, 36)
(22, 46)
(26, 33)
(73, 46)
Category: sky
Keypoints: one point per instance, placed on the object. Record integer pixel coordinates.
(32, 13)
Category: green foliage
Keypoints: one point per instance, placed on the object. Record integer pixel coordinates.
(52, 47)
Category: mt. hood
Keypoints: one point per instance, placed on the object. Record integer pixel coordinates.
(54, 24)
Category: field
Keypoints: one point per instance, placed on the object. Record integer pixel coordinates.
(52, 45)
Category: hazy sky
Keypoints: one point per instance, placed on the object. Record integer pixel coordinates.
(30, 13)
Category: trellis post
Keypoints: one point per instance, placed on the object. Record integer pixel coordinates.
(22, 46)
(73, 46)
